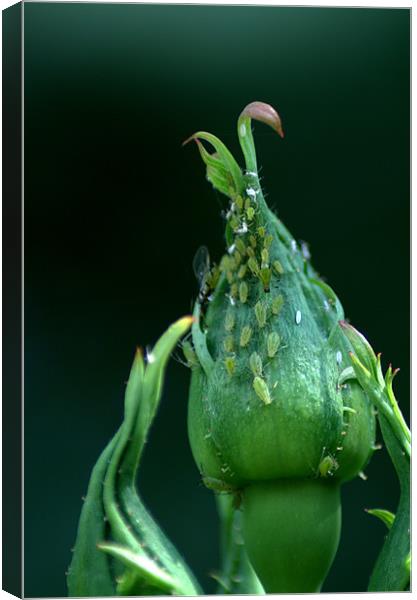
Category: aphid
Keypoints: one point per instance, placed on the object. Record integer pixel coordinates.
(265, 257)
(189, 354)
(229, 322)
(261, 231)
(250, 213)
(230, 363)
(253, 266)
(234, 223)
(237, 257)
(261, 388)
(260, 313)
(201, 268)
(252, 241)
(242, 271)
(234, 290)
(327, 466)
(245, 336)
(228, 344)
(255, 363)
(250, 252)
(239, 202)
(268, 240)
(298, 317)
(240, 245)
(229, 276)
(243, 292)
(272, 343)
(277, 303)
(265, 277)
(278, 267)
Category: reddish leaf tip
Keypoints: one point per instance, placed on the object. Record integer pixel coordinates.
(260, 111)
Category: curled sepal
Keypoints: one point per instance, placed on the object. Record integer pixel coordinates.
(120, 549)
(361, 348)
(390, 572)
(386, 516)
(222, 170)
(260, 111)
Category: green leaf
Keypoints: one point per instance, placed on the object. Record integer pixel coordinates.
(222, 169)
(385, 516)
(120, 550)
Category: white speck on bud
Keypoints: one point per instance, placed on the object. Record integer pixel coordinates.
(298, 317)
(293, 245)
(338, 357)
(242, 130)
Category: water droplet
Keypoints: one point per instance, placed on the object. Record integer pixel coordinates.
(242, 130)
(338, 357)
(326, 305)
(298, 317)
(294, 246)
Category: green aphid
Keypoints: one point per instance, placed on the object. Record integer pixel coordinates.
(265, 277)
(226, 263)
(239, 202)
(190, 355)
(255, 363)
(240, 245)
(250, 252)
(327, 466)
(234, 222)
(245, 336)
(242, 271)
(265, 257)
(260, 313)
(237, 257)
(230, 364)
(272, 343)
(229, 276)
(253, 266)
(261, 388)
(252, 241)
(230, 319)
(268, 240)
(277, 304)
(261, 231)
(278, 267)
(234, 289)
(247, 203)
(213, 277)
(243, 292)
(229, 344)
(250, 213)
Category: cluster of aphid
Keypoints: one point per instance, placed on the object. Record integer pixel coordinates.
(247, 270)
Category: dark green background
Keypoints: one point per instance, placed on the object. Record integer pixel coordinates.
(115, 210)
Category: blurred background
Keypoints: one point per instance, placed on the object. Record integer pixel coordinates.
(115, 210)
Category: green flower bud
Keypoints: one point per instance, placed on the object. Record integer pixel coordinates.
(283, 420)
